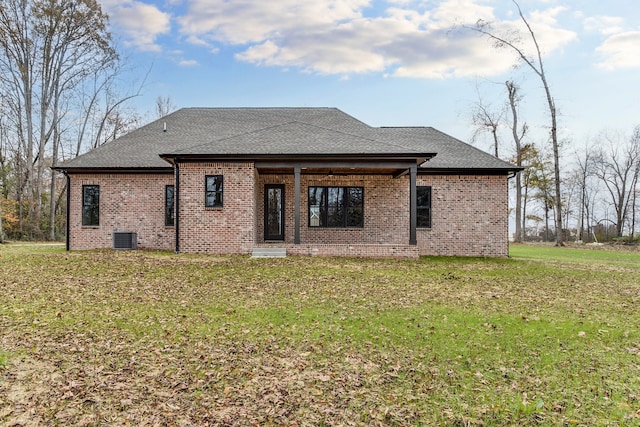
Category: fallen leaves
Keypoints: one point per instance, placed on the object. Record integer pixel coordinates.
(146, 339)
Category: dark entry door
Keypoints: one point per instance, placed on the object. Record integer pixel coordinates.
(274, 212)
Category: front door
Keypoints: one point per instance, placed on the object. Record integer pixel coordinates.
(274, 212)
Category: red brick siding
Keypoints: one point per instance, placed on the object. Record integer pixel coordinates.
(469, 216)
(128, 202)
(469, 213)
(226, 230)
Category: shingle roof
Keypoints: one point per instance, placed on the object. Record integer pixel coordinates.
(276, 131)
(451, 152)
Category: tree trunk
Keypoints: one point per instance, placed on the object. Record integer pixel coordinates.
(52, 190)
(538, 69)
(513, 90)
(546, 222)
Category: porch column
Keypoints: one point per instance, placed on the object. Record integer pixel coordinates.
(413, 195)
(296, 174)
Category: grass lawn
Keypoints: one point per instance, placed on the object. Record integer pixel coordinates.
(548, 337)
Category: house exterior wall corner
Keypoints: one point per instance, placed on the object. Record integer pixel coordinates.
(469, 216)
(127, 202)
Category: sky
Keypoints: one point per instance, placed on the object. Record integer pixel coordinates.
(388, 63)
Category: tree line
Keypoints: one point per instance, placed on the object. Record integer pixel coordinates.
(593, 196)
(59, 96)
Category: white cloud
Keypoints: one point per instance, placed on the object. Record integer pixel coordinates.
(140, 23)
(461, 12)
(621, 51)
(254, 21)
(188, 63)
(549, 34)
(606, 25)
(418, 38)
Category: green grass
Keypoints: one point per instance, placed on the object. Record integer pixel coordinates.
(617, 258)
(546, 337)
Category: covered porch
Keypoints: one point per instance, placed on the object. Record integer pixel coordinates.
(286, 218)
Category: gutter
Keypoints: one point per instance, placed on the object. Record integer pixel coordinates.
(113, 170)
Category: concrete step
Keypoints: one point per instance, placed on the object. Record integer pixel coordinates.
(269, 253)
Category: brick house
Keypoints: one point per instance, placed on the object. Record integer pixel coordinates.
(302, 180)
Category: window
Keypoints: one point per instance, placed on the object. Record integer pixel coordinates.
(213, 191)
(336, 207)
(169, 215)
(423, 204)
(90, 205)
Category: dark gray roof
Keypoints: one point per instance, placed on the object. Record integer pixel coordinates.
(245, 132)
(451, 152)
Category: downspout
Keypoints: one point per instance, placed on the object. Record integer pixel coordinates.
(68, 221)
(413, 211)
(176, 200)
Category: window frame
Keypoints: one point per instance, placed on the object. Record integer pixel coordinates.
(87, 208)
(427, 207)
(321, 211)
(220, 192)
(169, 210)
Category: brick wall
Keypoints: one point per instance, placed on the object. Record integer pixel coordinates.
(469, 216)
(386, 210)
(469, 213)
(226, 230)
(128, 202)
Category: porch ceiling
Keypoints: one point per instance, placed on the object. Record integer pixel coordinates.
(330, 171)
(339, 167)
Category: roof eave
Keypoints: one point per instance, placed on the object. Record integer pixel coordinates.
(468, 171)
(419, 157)
(114, 170)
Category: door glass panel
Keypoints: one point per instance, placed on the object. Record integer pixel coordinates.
(274, 226)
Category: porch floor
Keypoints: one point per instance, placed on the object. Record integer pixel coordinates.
(356, 250)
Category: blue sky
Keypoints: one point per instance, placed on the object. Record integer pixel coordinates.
(388, 63)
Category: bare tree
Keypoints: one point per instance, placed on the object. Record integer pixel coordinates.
(518, 132)
(541, 180)
(164, 106)
(635, 140)
(537, 66)
(617, 166)
(584, 172)
(3, 171)
(486, 120)
(47, 48)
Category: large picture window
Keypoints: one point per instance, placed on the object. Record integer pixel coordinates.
(169, 212)
(213, 191)
(336, 207)
(423, 206)
(90, 205)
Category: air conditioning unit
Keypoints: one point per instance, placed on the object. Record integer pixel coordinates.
(125, 240)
